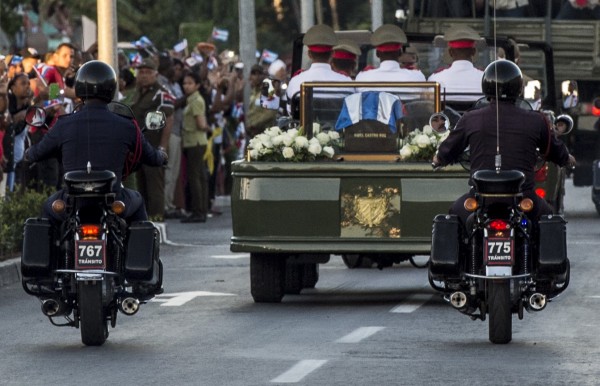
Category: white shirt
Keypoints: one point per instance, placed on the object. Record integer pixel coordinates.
(462, 77)
(317, 72)
(390, 71)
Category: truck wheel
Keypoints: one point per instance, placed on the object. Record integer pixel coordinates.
(267, 277)
(357, 261)
(294, 274)
(310, 276)
(499, 309)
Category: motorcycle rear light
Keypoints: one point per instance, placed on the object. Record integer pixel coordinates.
(542, 174)
(89, 231)
(595, 110)
(541, 192)
(498, 225)
(526, 204)
(470, 204)
(58, 206)
(118, 207)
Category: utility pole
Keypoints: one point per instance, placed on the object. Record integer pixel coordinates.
(247, 22)
(107, 32)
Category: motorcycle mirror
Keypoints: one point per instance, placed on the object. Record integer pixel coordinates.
(35, 116)
(155, 120)
(563, 124)
(439, 122)
(570, 94)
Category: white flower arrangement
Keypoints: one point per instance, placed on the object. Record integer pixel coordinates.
(421, 145)
(275, 145)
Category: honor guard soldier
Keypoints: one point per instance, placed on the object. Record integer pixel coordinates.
(345, 56)
(461, 76)
(389, 40)
(320, 40)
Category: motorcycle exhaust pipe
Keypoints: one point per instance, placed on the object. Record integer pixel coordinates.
(52, 307)
(129, 306)
(536, 302)
(458, 300)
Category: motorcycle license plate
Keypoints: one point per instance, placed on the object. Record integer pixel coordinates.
(499, 251)
(90, 254)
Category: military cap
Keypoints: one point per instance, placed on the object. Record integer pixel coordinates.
(148, 63)
(346, 49)
(461, 37)
(320, 38)
(388, 37)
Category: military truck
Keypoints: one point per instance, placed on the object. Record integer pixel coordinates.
(363, 202)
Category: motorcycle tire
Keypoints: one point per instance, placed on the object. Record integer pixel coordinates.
(499, 310)
(92, 318)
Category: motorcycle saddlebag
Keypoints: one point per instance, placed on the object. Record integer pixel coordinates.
(445, 245)
(141, 262)
(552, 257)
(37, 256)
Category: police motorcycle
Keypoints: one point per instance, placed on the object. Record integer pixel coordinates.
(94, 265)
(500, 263)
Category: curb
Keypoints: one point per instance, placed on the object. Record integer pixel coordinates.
(10, 271)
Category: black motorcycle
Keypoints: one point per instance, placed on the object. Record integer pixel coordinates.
(500, 263)
(95, 264)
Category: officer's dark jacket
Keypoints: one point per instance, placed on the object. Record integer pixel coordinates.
(96, 135)
(521, 133)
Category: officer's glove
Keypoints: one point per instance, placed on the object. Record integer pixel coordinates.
(163, 154)
(571, 162)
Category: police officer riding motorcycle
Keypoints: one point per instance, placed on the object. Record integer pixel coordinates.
(93, 252)
(500, 250)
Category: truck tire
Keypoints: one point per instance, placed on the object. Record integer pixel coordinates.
(499, 309)
(267, 277)
(311, 275)
(92, 318)
(294, 274)
(357, 261)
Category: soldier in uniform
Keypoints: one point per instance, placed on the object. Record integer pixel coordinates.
(151, 96)
(320, 40)
(344, 57)
(461, 76)
(389, 40)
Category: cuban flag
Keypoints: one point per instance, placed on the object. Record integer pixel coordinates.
(376, 105)
(182, 45)
(135, 59)
(220, 34)
(268, 56)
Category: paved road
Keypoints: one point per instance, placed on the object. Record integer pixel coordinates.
(357, 327)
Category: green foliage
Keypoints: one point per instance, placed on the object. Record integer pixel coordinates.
(17, 207)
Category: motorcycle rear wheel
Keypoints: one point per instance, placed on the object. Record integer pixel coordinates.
(92, 318)
(499, 309)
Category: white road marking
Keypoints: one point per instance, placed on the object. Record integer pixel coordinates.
(180, 298)
(230, 256)
(359, 334)
(299, 371)
(412, 303)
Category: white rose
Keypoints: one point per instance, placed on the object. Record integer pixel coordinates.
(292, 133)
(323, 138)
(405, 152)
(328, 151)
(301, 142)
(287, 152)
(277, 140)
(255, 143)
(427, 129)
(316, 128)
(287, 139)
(254, 154)
(313, 140)
(314, 149)
(422, 141)
(333, 135)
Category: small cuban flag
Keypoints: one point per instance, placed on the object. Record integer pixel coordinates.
(268, 56)
(135, 59)
(182, 45)
(220, 34)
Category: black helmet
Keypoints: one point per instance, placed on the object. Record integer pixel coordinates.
(96, 79)
(506, 77)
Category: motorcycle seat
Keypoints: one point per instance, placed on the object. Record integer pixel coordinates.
(96, 181)
(501, 182)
